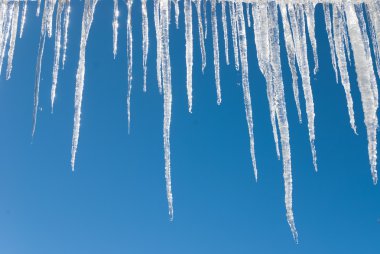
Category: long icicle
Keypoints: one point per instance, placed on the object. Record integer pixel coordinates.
(145, 46)
(326, 10)
(310, 21)
(245, 81)
(157, 25)
(66, 21)
(167, 87)
(88, 16)
(57, 50)
(282, 119)
(12, 42)
(23, 17)
(231, 6)
(130, 59)
(215, 37)
(115, 26)
(189, 52)
(225, 31)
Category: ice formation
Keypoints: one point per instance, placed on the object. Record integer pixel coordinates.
(350, 25)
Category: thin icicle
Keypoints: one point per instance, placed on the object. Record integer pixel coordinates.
(23, 17)
(189, 51)
(245, 81)
(310, 21)
(145, 27)
(205, 16)
(215, 42)
(167, 87)
(12, 42)
(57, 50)
(130, 59)
(115, 26)
(66, 21)
(231, 6)
(225, 32)
(364, 71)
(289, 44)
(326, 10)
(248, 14)
(176, 9)
(157, 25)
(38, 8)
(261, 31)
(201, 35)
(88, 15)
(297, 22)
(338, 26)
(282, 119)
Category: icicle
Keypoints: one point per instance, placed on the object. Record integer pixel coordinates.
(157, 24)
(245, 81)
(66, 28)
(261, 30)
(189, 51)
(338, 26)
(231, 6)
(215, 37)
(7, 23)
(201, 35)
(346, 42)
(130, 59)
(205, 16)
(326, 10)
(88, 15)
(225, 33)
(289, 44)
(309, 11)
(365, 75)
(145, 27)
(38, 8)
(57, 50)
(115, 25)
(373, 21)
(275, 61)
(49, 21)
(23, 17)
(167, 87)
(176, 9)
(248, 14)
(13, 39)
(298, 28)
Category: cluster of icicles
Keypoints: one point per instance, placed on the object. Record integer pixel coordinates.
(346, 22)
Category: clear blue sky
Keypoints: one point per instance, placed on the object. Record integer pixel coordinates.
(115, 201)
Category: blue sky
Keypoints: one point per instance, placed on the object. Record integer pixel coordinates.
(115, 201)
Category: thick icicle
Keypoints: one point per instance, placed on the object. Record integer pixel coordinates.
(88, 16)
(338, 26)
(157, 25)
(145, 46)
(66, 21)
(245, 81)
(282, 119)
(201, 35)
(231, 6)
(23, 17)
(12, 42)
(289, 45)
(297, 22)
(326, 10)
(130, 59)
(215, 42)
(373, 21)
(261, 30)
(115, 25)
(57, 50)
(7, 24)
(225, 31)
(189, 51)
(167, 87)
(365, 74)
(309, 11)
